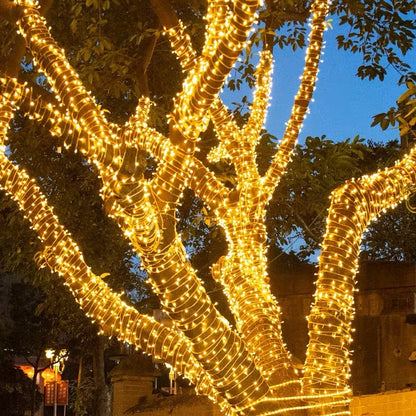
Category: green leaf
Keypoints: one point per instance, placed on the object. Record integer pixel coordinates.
(73, 26)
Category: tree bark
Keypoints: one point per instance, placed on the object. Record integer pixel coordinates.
(101, 390)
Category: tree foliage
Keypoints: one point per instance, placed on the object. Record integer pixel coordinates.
(384, 238)
(15, 390)
(299, 206)
(382, 31)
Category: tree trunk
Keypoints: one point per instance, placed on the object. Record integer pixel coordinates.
(36, 371)
(101, 390)
(34, 390)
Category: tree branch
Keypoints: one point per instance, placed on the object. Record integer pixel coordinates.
(241, 152)
(218, 17)
(180, 289)
(63, 79)
(353, 207)
(11, 12)
(257, 118)
(144, 65)
(203, 84)
(63, 256)
(302, 99)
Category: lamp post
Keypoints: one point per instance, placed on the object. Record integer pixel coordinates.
(58, 365)
(172, 380)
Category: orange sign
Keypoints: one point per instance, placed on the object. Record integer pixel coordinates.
(61, 393)
(49, 393)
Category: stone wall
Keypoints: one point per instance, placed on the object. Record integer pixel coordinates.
(193, 406)
(401, 403)
(132, 382)
(127, 391)
(385, 337)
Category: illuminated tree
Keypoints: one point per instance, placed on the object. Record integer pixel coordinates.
(247, 370)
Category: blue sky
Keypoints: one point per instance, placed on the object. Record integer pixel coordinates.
(343, 103)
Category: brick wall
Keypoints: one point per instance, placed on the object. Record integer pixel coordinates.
(402, 403)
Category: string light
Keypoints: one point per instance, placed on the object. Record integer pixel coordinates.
(243, 271)
(247, 370)
(303, 96)
(206, 78)
(62, 255)
(353, 207)
(138, 205)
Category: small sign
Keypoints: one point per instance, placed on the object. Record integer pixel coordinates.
(49, 393)
(61, 393)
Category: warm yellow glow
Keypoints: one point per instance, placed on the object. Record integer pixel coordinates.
(303, 97)
(354, 206)
(49, 354)
(247, 370)
(64, 257)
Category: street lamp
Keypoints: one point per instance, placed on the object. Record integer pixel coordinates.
(58, 364)
(172, 380)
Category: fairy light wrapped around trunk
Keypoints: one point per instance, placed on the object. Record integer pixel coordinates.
(247, 370)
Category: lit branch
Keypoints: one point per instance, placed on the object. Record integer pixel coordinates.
(99, 303)
(126, 200)
(63, 256)
(242, 273)
(181, 44)
(227, 131)
(258, 113)
(206, 79)
(354, 206)
(98, 141)
(250, 374)
(129, 198)
(186, 301)
(201, 179)
(116, 318)
(215, 345)
(67, 85)
(142, 137)
(206, 186)
(232, 141)
(218, 18)
(302, 99)
(242, 219)
(180, 40)
(158, 262)
(240, 144)
(59, 123)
